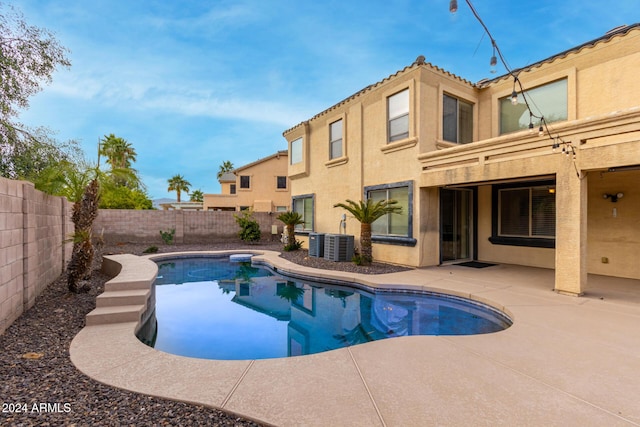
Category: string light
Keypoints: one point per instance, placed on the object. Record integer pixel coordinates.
(493, 62)
(543, 128)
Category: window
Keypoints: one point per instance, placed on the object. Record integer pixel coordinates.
(304, 206)
(398, 116)
(393, 228)
(281, 182)
(335, 139)
(524, 215)
(245, 181)
(527, 212)
(296, 151)
(281, 208)
(457, 120)
(232, 189)
(549, 100)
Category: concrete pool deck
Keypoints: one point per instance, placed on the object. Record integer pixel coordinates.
(564, 361)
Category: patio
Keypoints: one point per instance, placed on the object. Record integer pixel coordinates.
(565, 360)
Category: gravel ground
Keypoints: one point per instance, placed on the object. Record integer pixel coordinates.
(40, 386)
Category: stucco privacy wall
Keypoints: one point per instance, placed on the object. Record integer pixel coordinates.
(120, 225)
(33, 226)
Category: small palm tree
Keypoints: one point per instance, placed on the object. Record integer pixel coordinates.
(197, 196)
(178, 184)
(225, 167)
(290, 220)
(367, 212)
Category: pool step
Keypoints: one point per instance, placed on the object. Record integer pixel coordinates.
(125, 285)
(119, 314)
(118, 298)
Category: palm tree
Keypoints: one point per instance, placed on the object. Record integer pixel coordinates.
(197, 196)
(290, 220)
(178, 184)
(367, 212)
(80, 184)
(119, 153)
(225, 167)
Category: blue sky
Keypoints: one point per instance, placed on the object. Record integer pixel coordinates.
(191, 84)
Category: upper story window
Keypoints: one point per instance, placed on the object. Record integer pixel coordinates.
(549, 100)
(398, 116)
(335, 139)
(245, 181)
(281, 183)
(296, 151)
(457, 120)
(232, 189)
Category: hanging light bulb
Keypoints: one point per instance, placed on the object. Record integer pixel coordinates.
(493, 63)
(453, 6)
(514, 98)
(530, 122)
(540, 130)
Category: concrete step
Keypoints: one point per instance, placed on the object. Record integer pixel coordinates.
(119, 314)
(117, 284)
(119, 298)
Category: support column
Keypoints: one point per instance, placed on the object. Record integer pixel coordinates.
(571, 231)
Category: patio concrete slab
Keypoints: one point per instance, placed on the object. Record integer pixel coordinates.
(564, 361)
(323, 389)
(450, 385)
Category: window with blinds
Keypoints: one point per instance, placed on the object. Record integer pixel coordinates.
(304, 206)
(527, 212)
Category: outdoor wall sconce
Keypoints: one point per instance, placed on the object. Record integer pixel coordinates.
(614, 197)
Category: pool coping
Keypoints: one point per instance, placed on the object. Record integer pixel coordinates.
(388, 382)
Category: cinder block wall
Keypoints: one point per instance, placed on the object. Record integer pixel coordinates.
(116, 225)
(33, 226)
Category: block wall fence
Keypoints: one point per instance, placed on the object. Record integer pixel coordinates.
(144, 226)
(33, 227)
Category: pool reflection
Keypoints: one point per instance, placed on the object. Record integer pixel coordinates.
(231, 311)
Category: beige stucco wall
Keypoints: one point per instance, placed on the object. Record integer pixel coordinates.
(614, 228)
(263, 194)
(603, 126)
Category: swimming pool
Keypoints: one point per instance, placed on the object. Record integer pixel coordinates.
(212, 308)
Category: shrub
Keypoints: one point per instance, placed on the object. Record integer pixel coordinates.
(167, 236)
(150, 250)
(293, 246)
(249, 227)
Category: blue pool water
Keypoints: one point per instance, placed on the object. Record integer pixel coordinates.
(215, 309)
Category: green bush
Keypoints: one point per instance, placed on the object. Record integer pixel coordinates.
(293, 246)
(249, 227)
(150, 250)
(167, 236)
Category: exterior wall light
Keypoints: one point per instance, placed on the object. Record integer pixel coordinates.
(614, 197)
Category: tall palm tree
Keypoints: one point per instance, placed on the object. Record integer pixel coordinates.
(290, 220)
(178, 184)
(119, 152)
(225, 167)
(367, 212)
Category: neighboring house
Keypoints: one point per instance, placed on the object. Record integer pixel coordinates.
(474, 181)
(262, 186)
(182, 206)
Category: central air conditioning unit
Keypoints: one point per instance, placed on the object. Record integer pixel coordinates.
(316, 245)
(338, 247)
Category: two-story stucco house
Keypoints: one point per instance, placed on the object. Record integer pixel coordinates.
(261, 185)
(476, 176)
